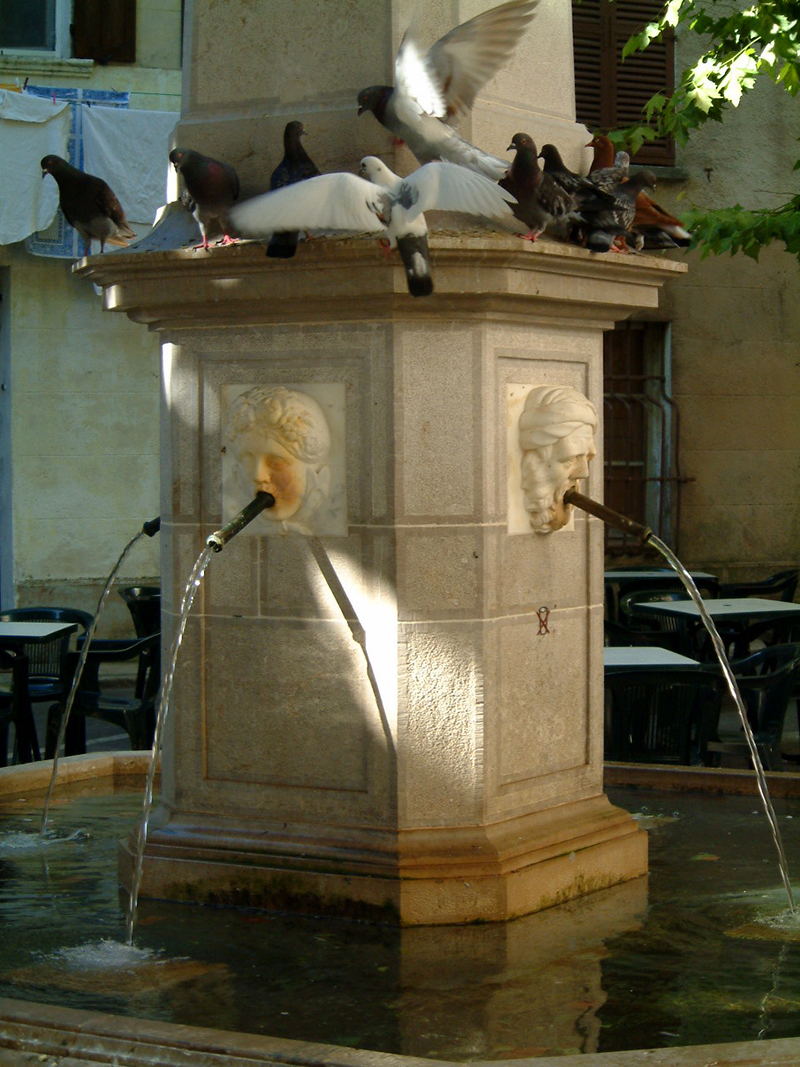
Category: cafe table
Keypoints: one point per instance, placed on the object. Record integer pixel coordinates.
(620, 582)
(640, 657)
(15, 637)
(723, 610)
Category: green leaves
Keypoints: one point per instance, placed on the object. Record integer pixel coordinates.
(763, 40)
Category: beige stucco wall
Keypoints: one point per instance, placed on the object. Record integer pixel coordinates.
(84, 385)
(736, 372)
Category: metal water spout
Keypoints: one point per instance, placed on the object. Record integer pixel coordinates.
(608, 515)
(259, 503)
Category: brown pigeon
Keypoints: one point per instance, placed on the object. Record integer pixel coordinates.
(296, 166)
(88, 204)
(213, 187)
(541, 201)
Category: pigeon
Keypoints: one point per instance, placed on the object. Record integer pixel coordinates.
(377, 201)
(588, 196)
(213, 187)
(295, 166)
(601, 231)
(541, 201)
(88, 204)
(653, 226)
(603, 152)
(430, 89)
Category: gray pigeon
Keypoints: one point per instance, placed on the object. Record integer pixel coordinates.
(296, 166)
(432, 88)
(600, 232)
(380, 202)
(88, 204)
(588, 197)
(213, 187)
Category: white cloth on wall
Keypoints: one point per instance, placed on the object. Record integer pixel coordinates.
(30, 128)
(130, 150)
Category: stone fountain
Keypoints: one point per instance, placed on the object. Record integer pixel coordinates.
(389, 699)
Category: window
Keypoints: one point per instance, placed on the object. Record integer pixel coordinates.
(610, 92)
(640, 433)
(104, 30)
(35, 27)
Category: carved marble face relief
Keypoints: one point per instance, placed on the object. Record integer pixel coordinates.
(556, 436)
(278, 440)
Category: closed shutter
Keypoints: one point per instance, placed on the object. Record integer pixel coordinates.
(104, 30)
(610, 92)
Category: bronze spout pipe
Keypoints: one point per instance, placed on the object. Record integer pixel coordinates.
(220, 538)
(608, 515)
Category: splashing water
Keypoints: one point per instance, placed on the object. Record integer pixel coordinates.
(195, 579)
(103, 955)
(730, 678)
(87, 641)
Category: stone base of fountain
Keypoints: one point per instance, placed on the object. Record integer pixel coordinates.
(426, 876)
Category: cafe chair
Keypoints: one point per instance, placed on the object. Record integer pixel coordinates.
(47, 661)
(658, 630)
(741, 640)
(98, 695)
(661, 715)
(766, 680)
(615, 635)
(781, 586)
(15, 709)
(144, 605)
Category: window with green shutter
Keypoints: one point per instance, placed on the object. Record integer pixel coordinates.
(610, 92)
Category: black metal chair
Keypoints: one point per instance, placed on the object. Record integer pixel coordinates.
(48, 680)
(99, 697)
(615, 635)
(766, 680)
(144, 604)
(780, 586)
(15, 710)
(661, 715)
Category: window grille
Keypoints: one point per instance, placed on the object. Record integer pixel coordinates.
(641, 429)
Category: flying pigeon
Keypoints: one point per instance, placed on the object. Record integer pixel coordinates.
(541, 201)
(88, 204)
(213, 187)
(379, 202)
(431, 89)
(604, 227)
(295, 166)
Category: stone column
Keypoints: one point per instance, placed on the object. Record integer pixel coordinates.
(402, 716)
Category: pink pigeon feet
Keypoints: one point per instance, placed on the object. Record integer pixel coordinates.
(531, 235)
(386, 247)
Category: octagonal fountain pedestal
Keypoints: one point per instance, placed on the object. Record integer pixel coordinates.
(397, 713)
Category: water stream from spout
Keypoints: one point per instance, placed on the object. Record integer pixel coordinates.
(87, 641)
(195, 578)
(215, 543)
(648, 537)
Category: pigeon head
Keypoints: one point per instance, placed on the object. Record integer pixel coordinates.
(53, 165)
(523, 142)
(374, 170)
(178, 156)
(552, 157)
(373, 98)
(644, 178)
(293, 131)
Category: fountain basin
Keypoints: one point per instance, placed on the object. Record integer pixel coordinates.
(562, 981)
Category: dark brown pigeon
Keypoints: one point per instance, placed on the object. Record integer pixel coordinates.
(88, 204)
(213, 187)
(588, 196)
(296, 166)
(541, 201)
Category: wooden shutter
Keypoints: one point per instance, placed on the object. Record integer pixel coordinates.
(104, 30)
(610, 92)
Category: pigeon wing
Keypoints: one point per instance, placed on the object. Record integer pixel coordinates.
(109, 205)
(416, 89)
(329, 202)
(464, 60)
(448, 187)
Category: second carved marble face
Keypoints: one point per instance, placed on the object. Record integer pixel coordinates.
(556, 434)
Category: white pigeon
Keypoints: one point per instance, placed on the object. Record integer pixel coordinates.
(378, 202)
(434, 87)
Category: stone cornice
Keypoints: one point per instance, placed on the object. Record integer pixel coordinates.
(486, 276)
(43, 64)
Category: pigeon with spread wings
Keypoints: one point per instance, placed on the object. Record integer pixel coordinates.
(380, 202)
(88, 203)
(441, 84)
